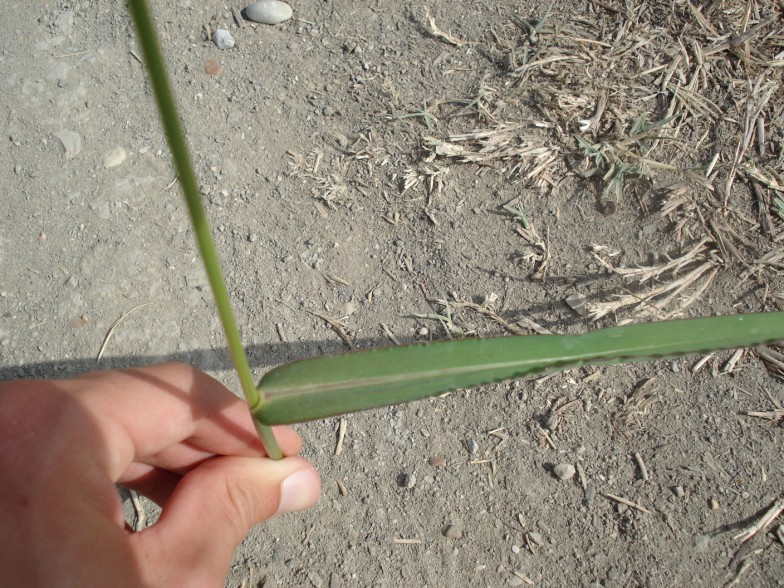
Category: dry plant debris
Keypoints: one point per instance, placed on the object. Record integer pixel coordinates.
(521, 155)
(773, 358)
(750, 535)
(439, 34)
(520, 325)
(635, 407)
(628, 503)
(778, 412)
(641, 104)
(116, 325)
(699, 266)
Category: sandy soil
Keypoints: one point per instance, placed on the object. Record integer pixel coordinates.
(357, 163)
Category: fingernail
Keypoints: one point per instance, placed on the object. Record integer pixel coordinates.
(299, 491)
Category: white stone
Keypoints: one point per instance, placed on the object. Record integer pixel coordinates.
(564, 471)
(269, 12)
(72, 142)
(114, 157)
(223, 39)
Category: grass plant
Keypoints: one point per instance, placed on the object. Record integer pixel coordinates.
(427, 117)
(327, 386)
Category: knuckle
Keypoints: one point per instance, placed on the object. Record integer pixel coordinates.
(241, 504)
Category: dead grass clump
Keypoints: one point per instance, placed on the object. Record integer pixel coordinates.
(630, 417)
(679, 100)
(342, 178)
(506, 148)
(678, 283)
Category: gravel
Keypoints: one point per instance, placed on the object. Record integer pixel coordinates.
(223, 39)
(564, 471)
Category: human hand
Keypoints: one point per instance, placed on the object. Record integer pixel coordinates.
(170, 432)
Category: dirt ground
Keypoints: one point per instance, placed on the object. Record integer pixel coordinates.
(499, 168)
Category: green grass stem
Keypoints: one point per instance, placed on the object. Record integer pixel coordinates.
(164, 97)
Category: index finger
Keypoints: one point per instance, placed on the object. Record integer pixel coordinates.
(143, 412)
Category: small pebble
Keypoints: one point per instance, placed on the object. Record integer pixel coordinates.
(42, 237)
(212, 67)
(679, 492)
(515, 549)
(71, 141)
(423, 332)
(406, 480)
(114, 157)
(348, 308)
(269, 12)
(223, 39)
(472, 446)
(714, 504)
(437, 462)
(577, 303)
(453, 532)
(589, 493)
(253, 237)
(564, 471)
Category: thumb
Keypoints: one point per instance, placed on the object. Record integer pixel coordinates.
(211, 511)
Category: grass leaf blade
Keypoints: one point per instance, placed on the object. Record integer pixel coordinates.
(328, 386)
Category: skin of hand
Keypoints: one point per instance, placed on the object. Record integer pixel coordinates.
(170, 432)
